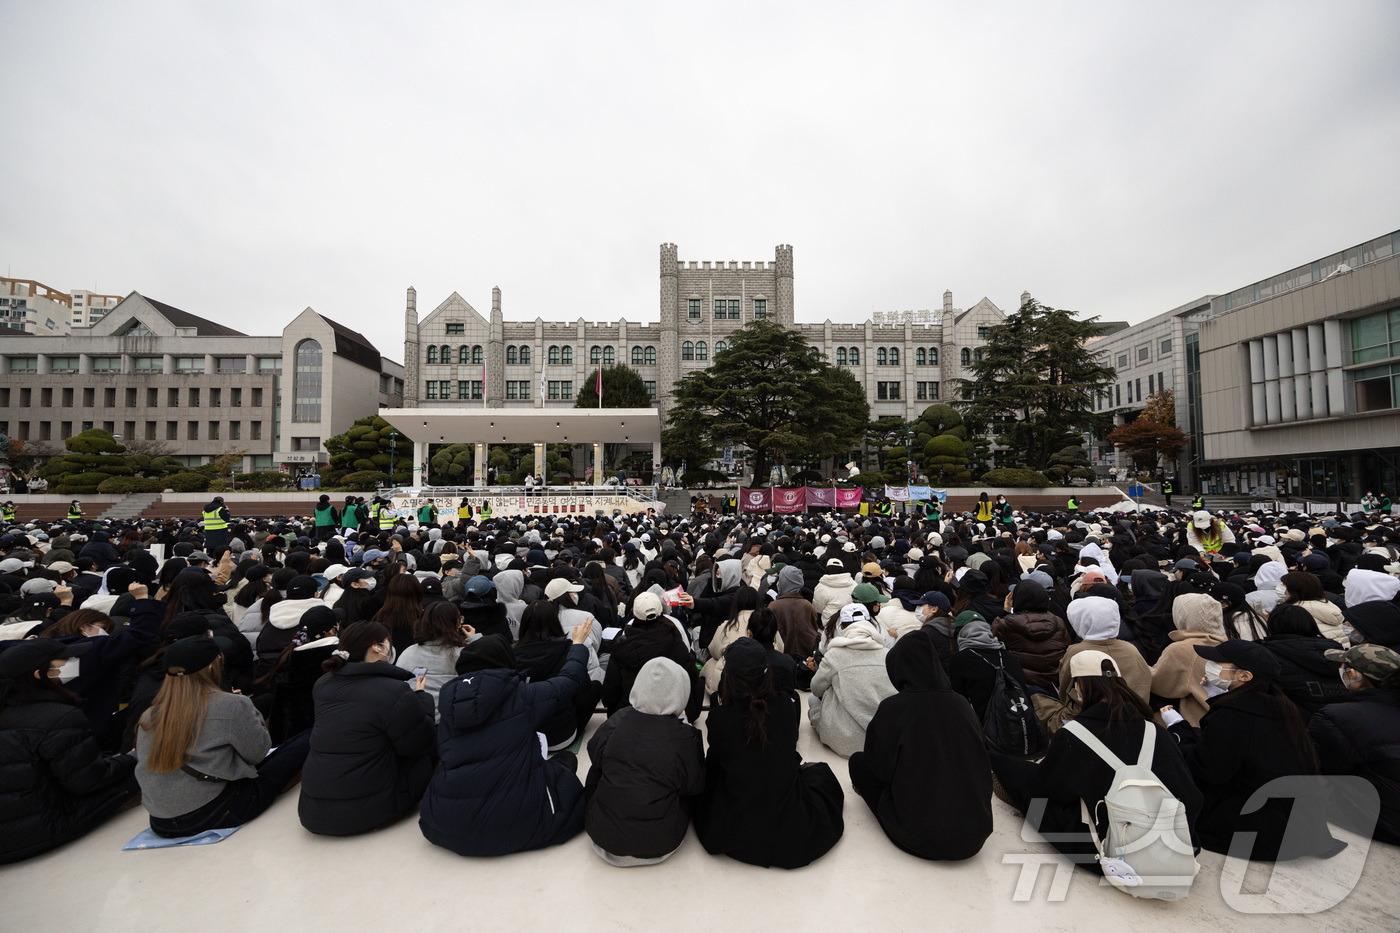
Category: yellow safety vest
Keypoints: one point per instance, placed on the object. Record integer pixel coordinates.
(74, 512)
(213, 521)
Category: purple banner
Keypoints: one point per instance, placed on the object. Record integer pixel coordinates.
(821, 497)
(756, 500)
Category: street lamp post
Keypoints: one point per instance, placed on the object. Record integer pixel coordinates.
(393, 443)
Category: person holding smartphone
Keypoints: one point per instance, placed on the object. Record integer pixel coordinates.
(373, 748)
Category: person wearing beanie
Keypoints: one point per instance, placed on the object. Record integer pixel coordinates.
(924, 770)
(1251, 735)
(761, 805)
(372, 742)
(647, 766)
(58, 785)
(495, 793)
(202, 754)
(849, 682)
(1363, 737)
(1034, 635)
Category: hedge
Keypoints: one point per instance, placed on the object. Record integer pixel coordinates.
(1011, 476)
(188, 482)
(122, 485)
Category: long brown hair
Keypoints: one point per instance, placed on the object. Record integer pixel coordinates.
(72, 624)
(403, 605)
(177, 714)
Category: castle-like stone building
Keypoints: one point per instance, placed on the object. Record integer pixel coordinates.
(456, 356)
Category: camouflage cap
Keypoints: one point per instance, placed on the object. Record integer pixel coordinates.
(1374, 662)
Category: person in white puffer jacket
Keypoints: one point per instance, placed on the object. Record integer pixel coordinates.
(850, 682)
(833, 590)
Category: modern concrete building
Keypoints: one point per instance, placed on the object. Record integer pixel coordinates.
(168, 381)
(1299, 379)
(34, 308)
(457, 356)
(90, 307)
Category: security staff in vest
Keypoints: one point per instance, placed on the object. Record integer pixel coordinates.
(1198, 503)
(1072, 507)
(7, 512)
(427, 515)
(75, 511)
(883, 509)
(215, 520)
(379, 511)
(1167, 490)
(325, 519)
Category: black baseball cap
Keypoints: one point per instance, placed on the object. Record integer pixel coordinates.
(190, 655)
(1245, 655)
(26, 657)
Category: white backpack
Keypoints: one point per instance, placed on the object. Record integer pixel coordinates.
(1148, 850)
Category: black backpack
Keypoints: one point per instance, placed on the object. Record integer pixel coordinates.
(1010, 725)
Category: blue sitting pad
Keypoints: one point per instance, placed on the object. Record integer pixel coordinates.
(147, 839)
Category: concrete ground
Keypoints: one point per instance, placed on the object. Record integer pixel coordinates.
(272, 875)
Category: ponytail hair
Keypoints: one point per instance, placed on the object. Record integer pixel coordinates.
(355, 640)
(749, 691)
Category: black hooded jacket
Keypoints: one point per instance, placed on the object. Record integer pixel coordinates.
(930, 780)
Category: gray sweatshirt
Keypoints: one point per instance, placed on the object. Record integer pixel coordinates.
(231, 744)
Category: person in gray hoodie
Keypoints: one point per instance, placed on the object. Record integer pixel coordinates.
(509, 585)
(850, 682)
(648, 763)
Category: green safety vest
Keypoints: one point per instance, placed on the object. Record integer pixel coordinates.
(1167, 489)
(75, 512)
(1198, 503)
(485, 510)
(1073, 504)
(325, 516)
(9, 511)
(213, 521)
(425, 514)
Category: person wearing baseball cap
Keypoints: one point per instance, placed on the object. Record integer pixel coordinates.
(1363, 737)
(1071, 772)
(202, 754)
(1251, 735)
(851, 679)
(652, 635)
(565, 594)
(59, 784)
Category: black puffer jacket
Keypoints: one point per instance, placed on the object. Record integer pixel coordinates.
(371, 750)
(293, 704)
(1363, 738)
(645, 768)
(539, 661)
(55, 783)
(1309, 679)
(658, 639)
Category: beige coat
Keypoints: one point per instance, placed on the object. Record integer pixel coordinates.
(1056, 712)
(1179, 671)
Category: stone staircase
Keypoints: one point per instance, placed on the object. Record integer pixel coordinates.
(131, 505)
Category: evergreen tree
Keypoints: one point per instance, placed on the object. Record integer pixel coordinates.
(775, 395)
(1034, 387)
(622, 388)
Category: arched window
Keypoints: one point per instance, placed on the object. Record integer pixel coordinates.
(894, 356)
(720, 347)
(855, 356)
(512, 354)
(966, 356)
(476, 354)
(882, 356)
(464, 354)
(651, 356)
(567, 355)
(445, 353)
(432, 353)
(933, 356)
(554, 354)
(636, 356)
(595, 355)
(977, 354)
(840, 356)
(609, 356)
(524, 354)
(920, 357)
(687, 351)
(702, 351)
(306, 382)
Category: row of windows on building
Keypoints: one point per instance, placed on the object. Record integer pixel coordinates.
(147, 365)
(890, 391)
(149, 430)
(131, 397)
(889, 356)
(726, 309)
(516, 389)
(1114, 397)
(1143, 354)
(563, 355)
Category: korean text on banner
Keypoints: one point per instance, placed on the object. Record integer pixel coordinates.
(790, 500)
(897, 493)
(756, 500)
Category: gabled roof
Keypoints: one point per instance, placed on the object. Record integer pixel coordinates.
(456, 303)
(353, 345)
(984, 305)
(203, 326)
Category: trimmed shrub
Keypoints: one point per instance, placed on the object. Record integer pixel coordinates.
(79, 484)
(271, 479)
(1011, 476)
(363, 479)
(187, 482)
(122, 485)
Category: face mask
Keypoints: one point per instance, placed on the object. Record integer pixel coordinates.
(1353, 636)
(1280, 591)
(369, 584)
(98, 633)
(393, 653)
(68, 672)
(1347, 680)
(1213, 672)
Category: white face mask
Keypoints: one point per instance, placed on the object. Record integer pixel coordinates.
(68, 672)
(390, 650)
(1353, 636)
(369, 584)
(1213, 672)
(94, 631)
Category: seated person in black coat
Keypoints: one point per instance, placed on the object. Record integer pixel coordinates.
(647, 765)
(761, 803)
(1363, 738)
(296, 671)
(651, 635)
(924, 771)
(1252, 735)
(1049, 792)
(57, 785)
(540, 655)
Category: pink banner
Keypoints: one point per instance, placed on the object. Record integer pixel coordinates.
(848, 498)
(790, 500)
(821, 497)
(755, 500)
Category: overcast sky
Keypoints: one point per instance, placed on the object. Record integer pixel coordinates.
(246, 160)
